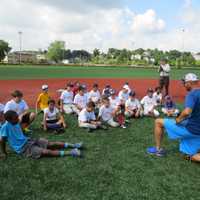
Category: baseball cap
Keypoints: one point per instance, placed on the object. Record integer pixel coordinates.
(44, 87)
(190, 77)
(132, 94)
(126, 87)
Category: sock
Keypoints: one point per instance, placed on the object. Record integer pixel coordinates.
(62, 153)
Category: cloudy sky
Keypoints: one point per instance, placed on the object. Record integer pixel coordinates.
(89, 24)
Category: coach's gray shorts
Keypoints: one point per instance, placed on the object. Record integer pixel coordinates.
(34, 147)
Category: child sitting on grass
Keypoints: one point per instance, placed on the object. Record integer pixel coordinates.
(158, 95)
(149, 104)
(107, 113)
(53, 119)
(87, 119)
(133, 106)
(169, 108)
(12, 133)
(42, 100)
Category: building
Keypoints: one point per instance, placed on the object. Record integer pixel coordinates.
(32, 57)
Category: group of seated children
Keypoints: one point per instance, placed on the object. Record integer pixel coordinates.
(93, 109)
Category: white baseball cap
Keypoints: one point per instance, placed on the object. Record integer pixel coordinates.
(190, 77)
(44, 87)
(126, 87)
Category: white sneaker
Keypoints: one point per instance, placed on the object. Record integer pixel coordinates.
(122, 126)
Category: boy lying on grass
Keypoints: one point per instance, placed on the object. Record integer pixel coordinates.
(12, 133)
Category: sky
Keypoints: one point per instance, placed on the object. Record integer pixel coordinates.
(103, 24)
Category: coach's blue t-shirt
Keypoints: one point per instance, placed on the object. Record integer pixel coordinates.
(14, 135)
(193, 101)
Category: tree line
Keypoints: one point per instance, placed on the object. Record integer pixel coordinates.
(58, 53)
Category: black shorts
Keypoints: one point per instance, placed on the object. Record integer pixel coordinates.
(26, 118)
(164, 81)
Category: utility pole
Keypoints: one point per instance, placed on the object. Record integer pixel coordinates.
(20, 46)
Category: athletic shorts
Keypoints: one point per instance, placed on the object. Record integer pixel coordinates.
(34, 147)
(189, 143)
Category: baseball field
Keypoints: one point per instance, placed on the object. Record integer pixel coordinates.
(115, 164)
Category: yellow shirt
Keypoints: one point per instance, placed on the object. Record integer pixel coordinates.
(42, 100)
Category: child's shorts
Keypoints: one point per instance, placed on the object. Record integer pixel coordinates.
(34, 147)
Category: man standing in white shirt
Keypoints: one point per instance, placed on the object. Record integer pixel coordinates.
(149, 104)
(18, 105)
(66, 100)
(164, 70)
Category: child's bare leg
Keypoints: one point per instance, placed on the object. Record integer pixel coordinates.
(158, 132)
(55, 153)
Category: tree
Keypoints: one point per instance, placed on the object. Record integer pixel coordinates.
(56, 51)
(96, 52)
(4, 49)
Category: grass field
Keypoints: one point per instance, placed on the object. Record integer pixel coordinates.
(115, 166)
(39, 72)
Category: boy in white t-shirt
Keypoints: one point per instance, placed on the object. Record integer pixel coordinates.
(133, 107)
(158, 95)
(66, 100)
(149, 104)
(124, 94)
(87, 118)
(18, 105)
(94, 95)
(80, 100)
(52, 119)
(107, 113)
(114, 99)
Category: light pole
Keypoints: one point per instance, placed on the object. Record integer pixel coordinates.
(20, 46)
(183, 39)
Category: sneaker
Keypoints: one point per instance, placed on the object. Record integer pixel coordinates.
(75, 153)
(78, 145)
(154, 151)
(123, 126)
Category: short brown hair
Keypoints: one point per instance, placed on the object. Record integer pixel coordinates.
(91, 104)
(17, 93)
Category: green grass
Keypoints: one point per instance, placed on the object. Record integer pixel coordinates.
(115, 166)
(40, 72)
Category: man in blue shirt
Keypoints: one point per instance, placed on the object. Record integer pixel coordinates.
(186, 127)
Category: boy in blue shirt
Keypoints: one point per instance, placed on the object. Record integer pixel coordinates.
(170, 108)
(186, 127)
(12, 133)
